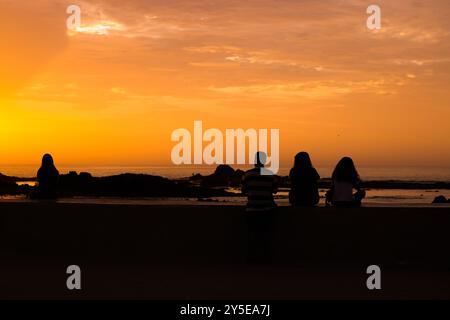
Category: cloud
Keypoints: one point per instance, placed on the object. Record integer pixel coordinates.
(415, 34)
(185, 47)
(312, 89)
(419, 62)
(214, 49)
(265, 59)
(101, 28)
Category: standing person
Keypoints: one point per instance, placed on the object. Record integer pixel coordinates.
(345, 179)
(304, 178)
(47, 177)
(259, 184)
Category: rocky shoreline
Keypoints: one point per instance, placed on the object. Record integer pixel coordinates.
(143, 185)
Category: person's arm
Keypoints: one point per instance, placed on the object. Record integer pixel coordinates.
(357, 185)
(360, 192)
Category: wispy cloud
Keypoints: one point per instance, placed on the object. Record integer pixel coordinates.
(99, 28)
(313, 89)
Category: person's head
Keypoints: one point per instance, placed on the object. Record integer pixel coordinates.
(302, 161)
(260, 159)
(47, 162)
(346, 171)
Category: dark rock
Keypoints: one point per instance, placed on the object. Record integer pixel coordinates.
(224, 170)
(222, 177)
(440, 199)
(9, 186)
(236, 179)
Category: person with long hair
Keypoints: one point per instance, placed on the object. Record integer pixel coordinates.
(47, 177)
(345, 179)
(303, 177)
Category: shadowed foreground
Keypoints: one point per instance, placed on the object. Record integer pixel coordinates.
(170, 252)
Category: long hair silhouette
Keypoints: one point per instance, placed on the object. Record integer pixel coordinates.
(302, 163)
(48, 177)
(346, 171)
(47, 166)
(303, 177)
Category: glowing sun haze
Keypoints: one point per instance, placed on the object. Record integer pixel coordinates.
(113, 91)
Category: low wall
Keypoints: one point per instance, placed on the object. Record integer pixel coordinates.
(210, 235)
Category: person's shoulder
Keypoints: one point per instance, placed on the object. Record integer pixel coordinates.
(314, 171)
(263, 172)
(266, 172)
(252, 172)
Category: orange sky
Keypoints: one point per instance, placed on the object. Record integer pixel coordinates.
(113, 92)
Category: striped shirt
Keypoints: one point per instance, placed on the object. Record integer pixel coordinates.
(259, 190)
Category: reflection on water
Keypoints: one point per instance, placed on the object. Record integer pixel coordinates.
(388, 198)
(27, 183)
(9, 197)
(376, 196)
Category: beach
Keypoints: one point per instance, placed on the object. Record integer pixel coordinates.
(199, 252)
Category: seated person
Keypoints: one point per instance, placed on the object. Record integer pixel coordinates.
(345, 179)
(47, 177)
(259, 184)
(303, 177)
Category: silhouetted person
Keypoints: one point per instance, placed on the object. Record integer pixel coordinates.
(47, 177)
(259, 184)
(303, 177)
(345, 179)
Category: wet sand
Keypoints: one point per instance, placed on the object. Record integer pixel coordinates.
(200, 252)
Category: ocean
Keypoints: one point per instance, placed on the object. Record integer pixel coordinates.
(441, 174)
(374, 196)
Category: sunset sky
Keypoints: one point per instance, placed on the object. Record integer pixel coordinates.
(113, 92)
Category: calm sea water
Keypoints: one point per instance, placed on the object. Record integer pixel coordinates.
(367, 173)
